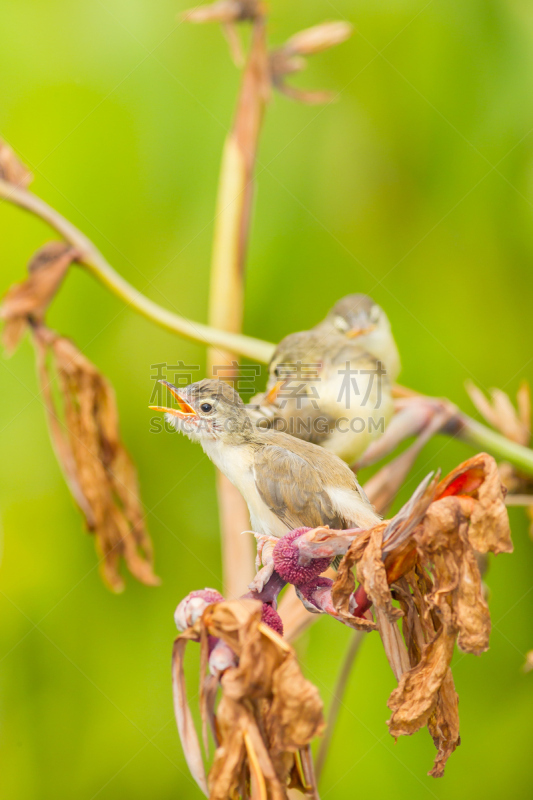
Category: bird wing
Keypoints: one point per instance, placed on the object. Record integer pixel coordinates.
(293, 489)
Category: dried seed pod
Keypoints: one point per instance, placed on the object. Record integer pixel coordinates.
(98, 470)
(28, 301)
(11, 169)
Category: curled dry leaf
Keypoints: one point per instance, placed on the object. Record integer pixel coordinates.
(268, 712)
(224, 11)
(290, 58)
(11, 169)
(97, 467)
(425, 560)
(318, 38)
(499, 411)
(28, 301)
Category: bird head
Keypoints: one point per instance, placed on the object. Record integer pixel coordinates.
(208, 409)
(297, 362)
(357, 315)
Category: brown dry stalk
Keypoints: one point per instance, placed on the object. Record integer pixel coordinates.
(226, 306)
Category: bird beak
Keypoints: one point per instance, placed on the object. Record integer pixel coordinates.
(185, 411)
(271, 396)
(360, 330)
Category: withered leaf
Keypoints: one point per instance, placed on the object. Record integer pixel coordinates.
(29, 300)
(415, 698)
(296, 712)
(268, 712)
(182, 711)
(98, 469)
(443, 725)
(372, 574)
(489, 522)
(11, 169)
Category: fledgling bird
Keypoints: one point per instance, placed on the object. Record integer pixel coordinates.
(332, 385)
(286, 483)
(360, 319)
(323, 388)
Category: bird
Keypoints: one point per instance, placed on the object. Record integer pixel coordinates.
(331, 385)
(361, 319)
(287, 483)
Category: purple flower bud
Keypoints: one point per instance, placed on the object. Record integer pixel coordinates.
(291, 565)
(271, 618)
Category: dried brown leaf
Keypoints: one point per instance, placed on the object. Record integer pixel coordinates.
(372, 574)
(29, 300)
(98, 469)
(184, 720)
(416, 696)
(268, 712)
(443, 725)
(479, 479)
(296, 714)
(11, 169)
(318, 38)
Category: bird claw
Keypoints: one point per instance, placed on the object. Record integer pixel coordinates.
(265, 549)
(262, 577)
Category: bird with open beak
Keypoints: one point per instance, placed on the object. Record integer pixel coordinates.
(331, 385)
(286, 483)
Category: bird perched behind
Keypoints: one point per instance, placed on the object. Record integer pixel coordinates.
(287, 483)
(331, 385)
(361, 320)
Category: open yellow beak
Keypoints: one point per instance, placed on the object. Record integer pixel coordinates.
(359, 331)
(271, 396)
(183, 412)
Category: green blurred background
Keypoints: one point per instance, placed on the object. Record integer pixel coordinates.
(415, 186)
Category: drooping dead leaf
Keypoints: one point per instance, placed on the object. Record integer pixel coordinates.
(28, 301)
(11, 169)
(268, 712)
(98, 469)
(428, 555)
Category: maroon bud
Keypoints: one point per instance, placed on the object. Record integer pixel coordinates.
(291, 565)
(193, 606)
(271, 618)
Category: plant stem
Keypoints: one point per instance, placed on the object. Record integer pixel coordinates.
(466, 429)
(95, 263)
(336, 703)
(479, 436)
(226, 299)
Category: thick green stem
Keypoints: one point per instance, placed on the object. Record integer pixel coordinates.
(96, 264)
(482, 438)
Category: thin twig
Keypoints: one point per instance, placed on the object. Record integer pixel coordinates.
(338, 695)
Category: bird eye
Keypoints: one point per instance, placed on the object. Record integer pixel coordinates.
(205, 407)
(341, 324)
(277, 372)
(374, 313)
